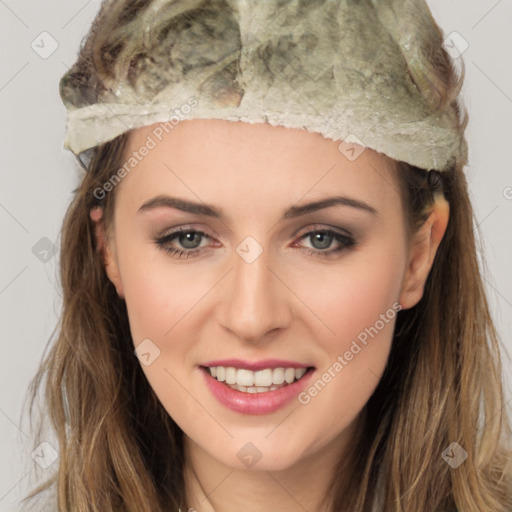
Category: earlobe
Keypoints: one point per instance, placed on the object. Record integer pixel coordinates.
(106, 252)
(423, 249)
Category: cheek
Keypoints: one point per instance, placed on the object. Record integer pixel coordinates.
(351, 296)
(360, 306)
(165, 316)
(159, 293)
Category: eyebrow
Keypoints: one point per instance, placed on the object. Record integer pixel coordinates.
(292, 212)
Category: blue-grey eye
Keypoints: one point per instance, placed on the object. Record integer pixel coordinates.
(323, 238)
(190, 239)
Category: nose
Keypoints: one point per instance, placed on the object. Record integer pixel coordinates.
(254, 302)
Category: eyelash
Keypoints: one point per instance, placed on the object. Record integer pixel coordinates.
(347, 242)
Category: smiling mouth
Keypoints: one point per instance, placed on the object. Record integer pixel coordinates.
(261, 381)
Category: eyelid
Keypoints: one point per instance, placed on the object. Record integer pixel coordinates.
(323, 227)
(185, 228)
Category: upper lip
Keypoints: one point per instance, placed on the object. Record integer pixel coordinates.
(255, 365)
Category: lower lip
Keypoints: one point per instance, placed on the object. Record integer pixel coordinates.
(255, 403)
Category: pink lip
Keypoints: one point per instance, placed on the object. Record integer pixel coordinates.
(255, 403)
(257, 365)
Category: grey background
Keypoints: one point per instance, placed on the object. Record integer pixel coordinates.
(38, 177)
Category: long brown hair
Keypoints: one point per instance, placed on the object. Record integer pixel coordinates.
(120, 450)
(442, 385)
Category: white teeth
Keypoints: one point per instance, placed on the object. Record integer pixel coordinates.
(256, 382)
(289, 375)
(278, 375)
(231, 375)
(254, 389)
(299, 372)
(244, 377)
(263, 378)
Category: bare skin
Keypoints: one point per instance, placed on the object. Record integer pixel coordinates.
(292, 302)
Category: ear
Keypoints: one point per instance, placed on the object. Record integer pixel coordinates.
(105, 247)
(422, 250)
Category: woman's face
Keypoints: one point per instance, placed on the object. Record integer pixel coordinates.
(292, 254)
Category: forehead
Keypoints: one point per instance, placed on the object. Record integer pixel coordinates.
(222, 159)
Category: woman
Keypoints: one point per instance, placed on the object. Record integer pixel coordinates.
(271, 296)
